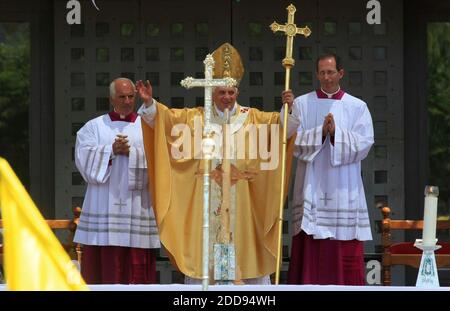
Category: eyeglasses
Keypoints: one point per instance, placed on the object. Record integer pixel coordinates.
(329, 73)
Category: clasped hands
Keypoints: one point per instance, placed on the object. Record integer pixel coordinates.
(121, 146)
(328, 125)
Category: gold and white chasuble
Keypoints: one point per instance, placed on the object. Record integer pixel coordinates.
(176, 185)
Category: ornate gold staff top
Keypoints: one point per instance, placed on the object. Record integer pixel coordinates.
(291, 30)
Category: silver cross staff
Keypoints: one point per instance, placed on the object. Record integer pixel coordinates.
(207, 148)
(208, 83)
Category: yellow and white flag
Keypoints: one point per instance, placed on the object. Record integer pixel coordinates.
(34, 259)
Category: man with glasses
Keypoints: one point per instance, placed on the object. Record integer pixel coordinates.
(330, 218)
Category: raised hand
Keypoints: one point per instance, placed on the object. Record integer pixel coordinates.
(145, 91)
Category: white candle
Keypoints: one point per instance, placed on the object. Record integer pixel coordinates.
(430, 216)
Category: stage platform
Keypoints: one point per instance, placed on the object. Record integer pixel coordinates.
(252, 288)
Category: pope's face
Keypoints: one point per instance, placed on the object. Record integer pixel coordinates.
(123, 100)
(225, 97)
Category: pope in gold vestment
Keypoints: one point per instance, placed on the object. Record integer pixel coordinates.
(176, 183)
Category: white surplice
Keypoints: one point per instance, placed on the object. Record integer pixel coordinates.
(117, 208)
(329, 199)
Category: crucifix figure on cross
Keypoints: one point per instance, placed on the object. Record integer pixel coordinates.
(208, 83)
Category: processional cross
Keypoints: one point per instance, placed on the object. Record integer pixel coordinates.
(207, 148)
(290, 29)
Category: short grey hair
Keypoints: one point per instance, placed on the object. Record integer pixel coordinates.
(112, 86)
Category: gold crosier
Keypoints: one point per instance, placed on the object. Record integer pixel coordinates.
(290, 29)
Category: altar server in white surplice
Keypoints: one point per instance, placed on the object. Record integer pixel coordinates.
(117, 225)
(330, 218)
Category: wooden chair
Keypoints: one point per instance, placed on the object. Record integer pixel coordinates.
(73, 249)
(404, 253)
